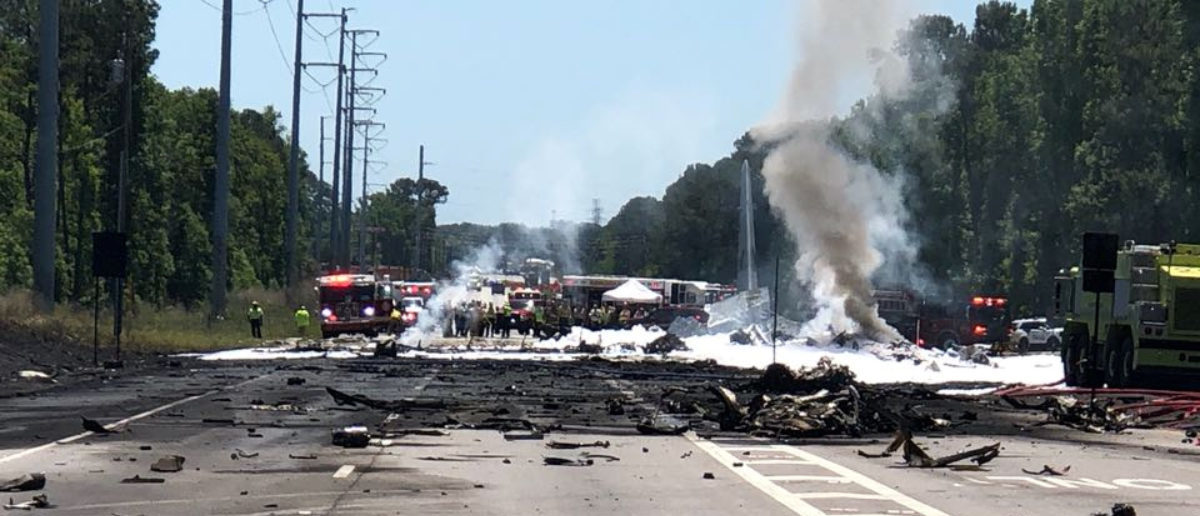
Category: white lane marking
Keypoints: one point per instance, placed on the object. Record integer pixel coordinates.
(866, 482)
(755, 478)
(110, 426)
(344, 471)
(781, 461)
(851, 496)
(809, 478)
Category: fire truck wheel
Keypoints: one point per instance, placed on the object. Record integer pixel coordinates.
(1120, 364)
(1070, 360)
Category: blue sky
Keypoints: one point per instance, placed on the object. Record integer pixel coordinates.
(528, 108)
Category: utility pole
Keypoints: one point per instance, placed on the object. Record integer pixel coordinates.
(47, 157)
(221, 182)
(122, 184)
(362, 217)
(596, 213)
(348, 170)
(320, 181)
(293, 178)
(337, 127)
(419, 219)
(334, 227)
(347, 174)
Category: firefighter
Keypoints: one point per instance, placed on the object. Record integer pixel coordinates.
(505, 320)
(255, 316)
(489, 321)
(593, 320)
(396, 321)
(302, 319)
(539, 319)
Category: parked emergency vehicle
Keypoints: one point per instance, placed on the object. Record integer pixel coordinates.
(353, 303)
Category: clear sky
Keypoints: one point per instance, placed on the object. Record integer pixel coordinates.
(528, 109)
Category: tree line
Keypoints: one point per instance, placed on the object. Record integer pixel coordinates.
(170, 171)
(1024, 130)
(1027, 128)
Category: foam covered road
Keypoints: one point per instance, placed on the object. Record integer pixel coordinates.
(286, 464)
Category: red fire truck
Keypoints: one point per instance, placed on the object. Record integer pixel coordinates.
(983, 319)
(353, 303)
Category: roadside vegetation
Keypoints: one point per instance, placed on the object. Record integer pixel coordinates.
(170, 329)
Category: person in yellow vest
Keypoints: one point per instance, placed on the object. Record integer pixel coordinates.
(303, 318)
(255, 316)
(396, 321)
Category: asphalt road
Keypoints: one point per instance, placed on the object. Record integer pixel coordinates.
(287, 464)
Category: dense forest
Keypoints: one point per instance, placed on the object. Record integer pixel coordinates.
(1028, 127)
(171, 165)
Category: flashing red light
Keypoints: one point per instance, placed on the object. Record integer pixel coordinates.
(332, 318)
(977, 300)
(339, 280)
(920, 342)
(428, 290)
(1000, 301)
(979, 329)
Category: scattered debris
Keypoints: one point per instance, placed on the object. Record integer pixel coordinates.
(709, 476)
(734, 412)
(1119, 509)
(243, 455)
(564, 445)
(295, 380)
(35, 376)
(138, 479)
(168, 464)
(352, 437)
(302, 456)
(94, 426)
(26, 482)
(1047, 470)
(662, 424)
(524, 436)
(40, 501)
(902, 436)
(342, 398)
(915, 457)
(145, 447)
(561, 461)
(218, 421)
(615, 407)
(665, 344)
(609, 458)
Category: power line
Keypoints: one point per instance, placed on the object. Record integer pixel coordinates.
(278, 45)
(218, 9)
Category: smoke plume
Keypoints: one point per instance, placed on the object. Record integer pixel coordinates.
(841, 213)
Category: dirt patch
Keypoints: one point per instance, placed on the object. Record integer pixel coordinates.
(51, 356)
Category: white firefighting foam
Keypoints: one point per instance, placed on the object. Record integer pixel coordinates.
(871, 362)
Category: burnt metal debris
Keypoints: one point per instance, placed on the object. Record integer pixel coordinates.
(94, 426)
(26, 482)
(40, 501)
(168, 464)
(351, 437)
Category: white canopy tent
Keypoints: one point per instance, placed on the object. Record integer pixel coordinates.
(632, 291)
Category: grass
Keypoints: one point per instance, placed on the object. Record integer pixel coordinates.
(167, 330)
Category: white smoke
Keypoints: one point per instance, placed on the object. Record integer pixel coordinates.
(453, 292)
(844, 215)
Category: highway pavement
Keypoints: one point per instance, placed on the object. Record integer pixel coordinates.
(256, 439)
